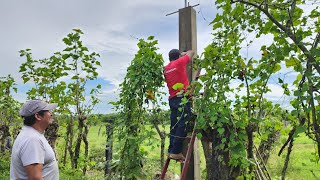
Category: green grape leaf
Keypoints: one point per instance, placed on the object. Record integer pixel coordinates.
(276, 68)
(177, 86)
(292, 62)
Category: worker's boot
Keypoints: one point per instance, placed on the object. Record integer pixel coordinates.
(178, 157)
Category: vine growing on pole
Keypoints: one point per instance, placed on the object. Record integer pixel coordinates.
(139, 88)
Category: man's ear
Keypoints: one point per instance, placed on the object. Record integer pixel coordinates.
(37, 116)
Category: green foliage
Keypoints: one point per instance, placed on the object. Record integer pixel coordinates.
(237, 112)
(5, 164)
(177, 86)
(10, 121)
(214, 107)
(8, 105)
(303, 160)
(74, 61)
(144, 76)
(76, 65)
(233, 104)
(296, 39)
(83, 67)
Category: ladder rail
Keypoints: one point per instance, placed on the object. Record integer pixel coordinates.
(186, 162)
(188, 156)
(165, 167)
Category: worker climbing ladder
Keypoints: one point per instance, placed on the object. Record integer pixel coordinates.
(187, 41)
(190, 146)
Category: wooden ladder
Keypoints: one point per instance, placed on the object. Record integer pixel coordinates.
(186, 161)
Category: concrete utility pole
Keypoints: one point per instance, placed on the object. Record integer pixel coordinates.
(188, 34)
(188, 41)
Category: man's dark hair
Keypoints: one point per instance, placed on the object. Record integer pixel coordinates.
(30, 120)
(174, 54)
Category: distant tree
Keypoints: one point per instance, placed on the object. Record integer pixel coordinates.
(76, 64)
(9, 113)
(160, 119)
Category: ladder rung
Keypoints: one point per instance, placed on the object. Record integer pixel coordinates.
(186, 161)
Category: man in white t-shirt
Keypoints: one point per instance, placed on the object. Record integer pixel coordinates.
(32, 157)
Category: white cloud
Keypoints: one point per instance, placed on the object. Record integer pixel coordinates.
(110, 28)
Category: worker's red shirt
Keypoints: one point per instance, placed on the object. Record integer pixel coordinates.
(176, 72)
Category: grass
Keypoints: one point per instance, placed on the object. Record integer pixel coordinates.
(97, 141)
(302, 165)
(154, 150)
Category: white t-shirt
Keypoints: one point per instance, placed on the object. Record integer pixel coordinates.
(31, 147)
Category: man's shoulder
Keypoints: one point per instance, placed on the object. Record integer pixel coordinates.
(170, 65)
(180, 60)
(27, 137)
(28, 134)
(184, 58)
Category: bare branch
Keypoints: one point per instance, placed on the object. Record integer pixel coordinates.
(278, 6)
(316, 41)
(290, 137)
(288, 32)
(290, 12)
(261, 95)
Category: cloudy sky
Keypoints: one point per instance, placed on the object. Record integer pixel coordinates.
(110, 28)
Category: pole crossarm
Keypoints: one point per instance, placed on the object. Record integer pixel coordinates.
(178, 10)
